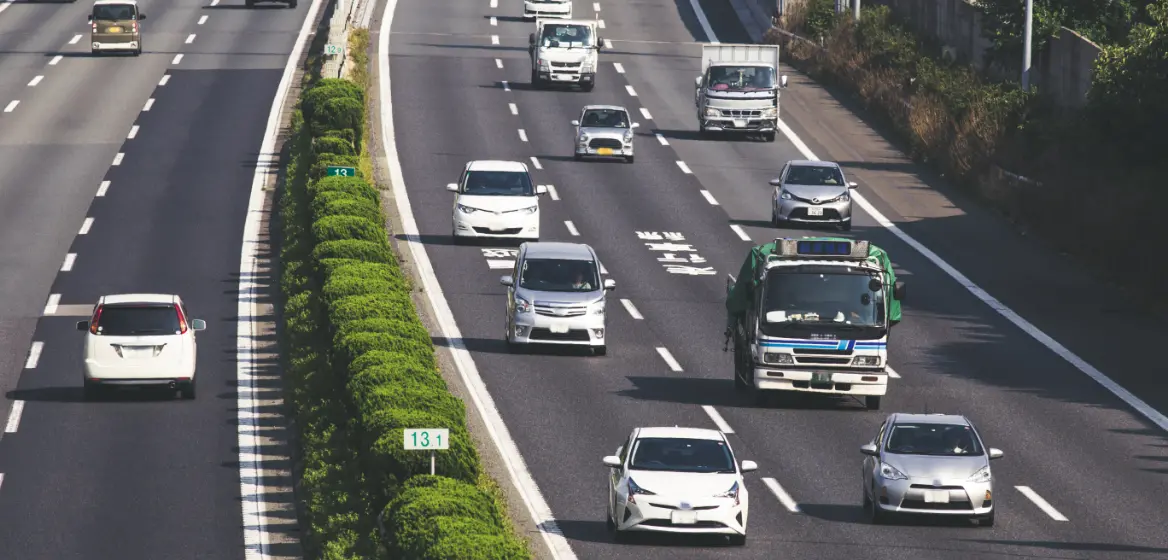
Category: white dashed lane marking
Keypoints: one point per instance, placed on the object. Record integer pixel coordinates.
(165, 78)
(741, 234)
(669, 359)
(68, 264)
(85, 226)
(645, 113)
(782, 495)
(600, 23)
(14, 417)
(661, 139)
(596, 6)
(74, 40)
(718, 420)
(632, 309)
(535, 162)
(133, 132)
(34, 355)
(494, 3)
(202, 20)
(684, 168)
(118, 158)
(177, 59)
(148, 105)
(522, 135)
(1041, 503)
(552, 192)
(571, 228)
(35, 81)
(619, 68)
(55, 60)
(103, 188)
(631, 91)
(709, 197)
(498, 63)
(494, 21)
(51, 305)
(190, 38)
(514, 108)
(11, 106)
(506, 86)
(494, 39)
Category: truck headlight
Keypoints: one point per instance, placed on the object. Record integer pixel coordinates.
(542, 64)
(870, 361)
(586, 68)
(713, 112)
(770, 113)
(777, 358)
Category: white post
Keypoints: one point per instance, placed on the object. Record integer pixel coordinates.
(431, 463)
(1026, 45)
(856, 9)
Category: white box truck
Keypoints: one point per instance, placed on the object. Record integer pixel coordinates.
(738, 90)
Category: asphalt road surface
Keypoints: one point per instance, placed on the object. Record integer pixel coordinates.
(125, 174)
(1096, 467)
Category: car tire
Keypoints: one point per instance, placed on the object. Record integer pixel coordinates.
(987, 521)
(93, 391)
(188, 391)
(534, 79)
(737, 540)
(872, 402)
(776, 220)
(600, 350)
(588, 86)
(629, 159)
(876, 516)
(608, 523)
(768, 136)
(846, 226)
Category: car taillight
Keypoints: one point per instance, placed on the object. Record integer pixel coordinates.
(95, 27)
(93, 322)
(182, 321)
(134, 26)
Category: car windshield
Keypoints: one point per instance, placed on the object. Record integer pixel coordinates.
(809, 297)
(742, 78)
(814, 175)
(113, 12)
(566, 35)
(559, 275)
(682, 455)
(933, 439)
(132, 320)
(498, 183)
(605, 118)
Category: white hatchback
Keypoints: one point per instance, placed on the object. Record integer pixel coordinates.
(140, 339)
(495, 199)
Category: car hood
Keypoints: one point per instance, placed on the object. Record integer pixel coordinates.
(936, 468)
(684, 485)
(603, 132)
(560, 299)
(811, 192)
(497, 204)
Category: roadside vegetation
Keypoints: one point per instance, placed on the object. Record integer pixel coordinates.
(1088, 181)
(360, 365)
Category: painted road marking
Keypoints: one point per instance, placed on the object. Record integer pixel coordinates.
(571, 227)
(101, 190)
(165, 78)
(514, 108)
(718, 420)
(35, 81)
(11, 106)
(631, 91)
(498, 63)
(535, 162)
(661, 139)
(600, 23)
(619, 68)
(69, 260)
(645, 113)
(74, 40)
(608, 43)
(34, 355)
(781, 494)
(52, 304)
(669, 245)
(190, 38)
(149, 104)
(202, 20)
(1041, 503)
(56, 60)
(494, 39)
(85, 226)
(14, 417)
(669, 359)
(118, 158)
(506, 86)
(632, 309)
(596, 6)
(684, 168)
(709, 197)
(741, 234)
(552, 192)
(522, 135)
(891, 372)
(133, 132)
(177, 59)
(494, 21)
(499, 258)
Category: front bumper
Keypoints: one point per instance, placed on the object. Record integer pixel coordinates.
(740, 125)
(951, 497)
(532, 10)
(807, 212)
(533, 328)
(585, 149)
(566, 76)
(490, 225)
(664, 515)
(839, 382)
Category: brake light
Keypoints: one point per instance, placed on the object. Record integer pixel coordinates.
(135, 26)
(93, 322)
(182, 321)
(95, 27)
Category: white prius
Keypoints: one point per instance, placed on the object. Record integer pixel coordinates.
(496, 199)
(140, 339)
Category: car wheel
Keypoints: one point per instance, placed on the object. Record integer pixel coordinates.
(846, 226)
(608, 523)
(578, 156)
(188, 391)
(600, 350)
(93, 391)
(534, 79)
(737, 540)
(876, 515)
(628, 159)
(775, 219)
(768, 136)
(987, 521)
(872, 402)
(588, 86)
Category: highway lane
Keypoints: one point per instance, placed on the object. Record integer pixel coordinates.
(140, 476)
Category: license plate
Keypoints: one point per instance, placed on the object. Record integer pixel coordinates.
(604, 151)
(739, 124)
(821, 377)
(558, 329)
(813, 211)
(683, 517)
(936, 496)
(114, 29)
(564, 77)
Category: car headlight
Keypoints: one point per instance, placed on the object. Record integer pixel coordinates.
(983, 475)
(889, 472)
(598, 308)
(786, 195)
(777, 358)
(582, 138)
(543, 64)
(467, 209)
(529, 209)
(628, 136)
(522, 305)
(841, 198)
(634, 490)
(731, 493)
(585, 68)
(869, 361)
(770, 113)
(713, 112)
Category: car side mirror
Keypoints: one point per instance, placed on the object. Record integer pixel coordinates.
(507, 280)
(996, 453)
(82, 325)
(635, 125)
(141, 17)
(89, 18)
(575, 123)
(869, 449)
(531, 39)
(852, 184)
(612, 461)
(749, 466)
(452, 187)
(198, 325)
(600, 42)
(899, 290)
(609, 284)
(776, 182)
(541, 189)
(783, 81)
(698, 81)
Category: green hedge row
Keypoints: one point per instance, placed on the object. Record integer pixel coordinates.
(362, 368)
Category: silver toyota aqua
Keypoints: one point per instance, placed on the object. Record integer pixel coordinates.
(606, 131)
(812, 192)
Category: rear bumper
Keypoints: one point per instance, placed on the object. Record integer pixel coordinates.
(115, 43)
(159, 374)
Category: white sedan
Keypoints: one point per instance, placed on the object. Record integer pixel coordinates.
(496, 199)
(677, 480)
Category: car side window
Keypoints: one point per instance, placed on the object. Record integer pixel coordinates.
(880, 435)
(624, 450)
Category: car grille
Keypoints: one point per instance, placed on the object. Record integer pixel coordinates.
(829, 214)
(741, 113)
(698, 525)
(564, 311)
(697, 508)
(566, 65)
(574, 335)
(921, 504)
(604, 143)
(488, 231)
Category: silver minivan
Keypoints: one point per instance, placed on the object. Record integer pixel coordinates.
(556, 295)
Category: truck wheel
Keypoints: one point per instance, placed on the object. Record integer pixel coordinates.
(872, 402)
(534, 79)
(588, 86)
(769, 136)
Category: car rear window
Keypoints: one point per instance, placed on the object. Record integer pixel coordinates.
(134, 320)
(110, 12)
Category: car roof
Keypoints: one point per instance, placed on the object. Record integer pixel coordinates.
(609, 107)
(558, 250)
(138, 298)
(812, 163)
(678, 432)
(115, 2)
(906, 418)
(497, 165)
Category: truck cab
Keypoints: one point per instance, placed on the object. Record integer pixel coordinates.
(564, 52)
(738, 89)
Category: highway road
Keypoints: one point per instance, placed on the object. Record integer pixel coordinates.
(1084, 474)
(125, 174)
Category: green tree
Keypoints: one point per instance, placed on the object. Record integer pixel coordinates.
(1102, 21)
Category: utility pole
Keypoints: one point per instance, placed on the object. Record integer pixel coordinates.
(1026, 45)
(856, 9)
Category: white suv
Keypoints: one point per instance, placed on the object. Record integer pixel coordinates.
(140, 339)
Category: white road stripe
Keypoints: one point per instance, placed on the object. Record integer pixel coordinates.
(684, 168)
(552, 192)
(35, 81)
(11, 106)
(596, 6)
(494, 3)
(571, 227)
(34, 355)
(738, 230)
(190, 38)
(214, 2)
(74, 40)
(661, 139)
(709, 197)
(56, 59)
(645, 113)
(718, 420)
(669, 359)
(506, 86)
(535, 162)
(103, 188)
(494, 21)
(202, 20)
(500, 264)
(69, 260)
(85, 226)
(522, 135)
(632, 309)
(514, 108)
(1041, 503)
(620, 69)
(781, 494)
(498, 63)
(165, 78)
(14, 417)
(177, 59)
(494, 39)
(600, 23)
(608, 43)
(148, 105)
(4, 6)
(133, 132)
(631, 91)
(891, 372)
(51, 305)
(118, 158)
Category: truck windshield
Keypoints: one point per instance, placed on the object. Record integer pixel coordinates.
(818, 298)
(742, 78)
(566, 36)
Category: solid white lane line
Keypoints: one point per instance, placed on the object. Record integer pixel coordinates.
(669, 359)
(494, 21)
(148, 105)
(103, 188)
(661, 139)
(552, 192)
(68, 264)
(11, 106)
(619, 68)
(177, 58)
(494, 3)
(133, 132)
(118, 158)
(202, 20)
(891, 372)
(522, 135)
(35, 81)
(85, 226)
(608, 43)
(702, 21)
(74, 40)
(494, 39)
(214, 2)
(738, 230)
(600, 23)
(165, 78)
(55, 60)
(51, 305)
(632, 309)
(514, 108)
(506, 86)
(631, 91)
(718, 420)
(596, 6)
(535, 162)
(14, 417)
(190, 38)
(684, 168)
(781, 494)
(571, 227)
(498, 63)
(34, 355)
(709, 197)
(645, 113)
(1041, 503)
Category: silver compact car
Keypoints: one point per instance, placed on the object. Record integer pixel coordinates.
(812, 192)
(928, 464)
(555, 295)
(604, 130)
